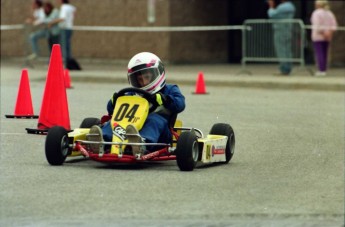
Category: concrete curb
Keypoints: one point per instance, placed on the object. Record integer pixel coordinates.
(215, 75)
(263, 84)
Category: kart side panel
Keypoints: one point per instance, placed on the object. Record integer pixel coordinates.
(213, 148)
(77, 134)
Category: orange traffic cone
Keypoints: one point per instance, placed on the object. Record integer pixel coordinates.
(54, 108)
(23, 107)
(67, 79)
(200, 87)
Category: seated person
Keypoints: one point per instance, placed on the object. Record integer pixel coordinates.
(146, 71)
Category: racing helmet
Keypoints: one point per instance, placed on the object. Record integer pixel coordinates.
(146, 71)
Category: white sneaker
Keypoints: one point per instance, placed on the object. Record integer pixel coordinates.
(96, 135)
(320, 74)
(32, 56)
(133, 136)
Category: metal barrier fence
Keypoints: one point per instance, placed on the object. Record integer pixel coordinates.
(141, 28)
(259, 37)
(273, 41)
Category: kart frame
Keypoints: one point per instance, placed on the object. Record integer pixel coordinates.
(188, 147)
(164, 154)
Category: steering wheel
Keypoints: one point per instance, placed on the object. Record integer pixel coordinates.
(146, 95)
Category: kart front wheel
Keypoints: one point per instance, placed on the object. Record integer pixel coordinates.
(89, 122)
(56, 147)
(225, 130)
(187, 151)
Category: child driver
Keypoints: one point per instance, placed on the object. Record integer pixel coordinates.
(146, 72)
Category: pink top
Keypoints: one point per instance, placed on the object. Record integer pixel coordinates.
(323, 21)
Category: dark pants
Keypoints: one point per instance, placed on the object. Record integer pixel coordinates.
(321, 54)
(65, 39)
(53, 39)
(282, 44)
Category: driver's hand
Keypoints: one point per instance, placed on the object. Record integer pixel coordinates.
(160, 98)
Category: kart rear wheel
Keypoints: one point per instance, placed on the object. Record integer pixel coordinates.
(187, 151)
(225, 130)
(56, 147)
(89, 122)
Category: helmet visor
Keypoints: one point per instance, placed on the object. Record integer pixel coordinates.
(143, 78)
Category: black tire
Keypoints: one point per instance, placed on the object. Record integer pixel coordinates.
(89, 122)
(187, 151)
(57, 145)
(225, 130)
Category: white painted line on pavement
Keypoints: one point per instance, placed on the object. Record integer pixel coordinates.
(13, 133)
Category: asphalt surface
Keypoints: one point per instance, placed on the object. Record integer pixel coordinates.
(288, 167)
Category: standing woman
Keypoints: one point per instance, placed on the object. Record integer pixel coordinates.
(65, 20)
(323, 25)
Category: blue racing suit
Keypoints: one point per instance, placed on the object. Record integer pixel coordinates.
(156, 127)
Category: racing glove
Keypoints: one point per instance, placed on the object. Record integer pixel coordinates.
(160, 98)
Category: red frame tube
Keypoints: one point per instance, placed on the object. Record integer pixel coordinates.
(160, 155)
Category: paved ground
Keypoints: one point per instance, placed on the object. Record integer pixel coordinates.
(288, 169)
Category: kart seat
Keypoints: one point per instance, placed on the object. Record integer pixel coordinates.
(172, 120)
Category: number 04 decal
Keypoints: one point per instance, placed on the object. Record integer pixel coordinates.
(125, 112)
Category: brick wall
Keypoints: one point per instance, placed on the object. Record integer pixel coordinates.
(182, 47)
(95, 44)
(203, 45)
(337, 50)
(174, 46)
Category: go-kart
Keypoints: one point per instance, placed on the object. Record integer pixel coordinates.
(188, 146)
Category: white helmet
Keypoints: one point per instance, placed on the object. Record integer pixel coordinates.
(146, 71)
